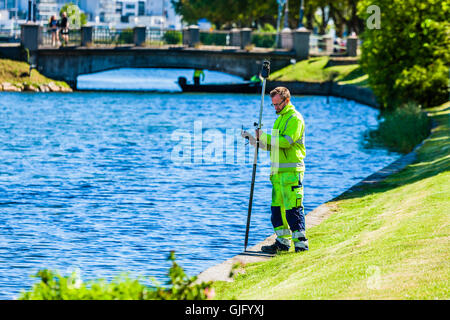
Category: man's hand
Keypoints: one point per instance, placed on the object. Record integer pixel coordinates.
(248, 136)
(258, 133)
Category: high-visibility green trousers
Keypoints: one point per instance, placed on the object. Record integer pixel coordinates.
(288, 217)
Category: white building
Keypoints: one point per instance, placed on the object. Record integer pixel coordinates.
(11, 7)
(164, 8)
(130, 9)
(117, 12)
(101, 11)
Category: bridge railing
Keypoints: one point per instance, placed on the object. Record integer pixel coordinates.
(324, 44)
(264, 39)
(299, 41)
(46, 39)
(10, 34)
(112, 36)
(232, 38)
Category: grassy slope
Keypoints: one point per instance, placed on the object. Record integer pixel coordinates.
(16, 72)
(315, 70)
(388, 241)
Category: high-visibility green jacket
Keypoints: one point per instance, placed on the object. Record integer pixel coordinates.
(287, 141)
(198, 73)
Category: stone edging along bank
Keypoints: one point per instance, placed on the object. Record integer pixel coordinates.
(50, 87)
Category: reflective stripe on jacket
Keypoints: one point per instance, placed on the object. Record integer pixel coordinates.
(287, 141)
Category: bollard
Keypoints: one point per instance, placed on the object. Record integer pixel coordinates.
(287, 41)
(235, 35)
(139, 35)
(194, 35)
(327, 44)
(31, 37)
(87, 33)
(246, 37)
(301, 43)
(352, 45)
(185, 36)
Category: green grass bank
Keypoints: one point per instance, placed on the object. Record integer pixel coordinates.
(14, 76)
(318, 70)
(385, 241)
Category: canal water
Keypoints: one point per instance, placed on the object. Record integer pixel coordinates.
(111, 182)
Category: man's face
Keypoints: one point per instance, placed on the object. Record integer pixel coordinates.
(279, 103)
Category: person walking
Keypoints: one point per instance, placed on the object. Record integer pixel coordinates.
(64, 25)
(287, 151)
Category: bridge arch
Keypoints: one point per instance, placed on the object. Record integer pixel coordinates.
(68, 64)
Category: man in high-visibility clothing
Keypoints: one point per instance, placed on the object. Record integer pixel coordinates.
(287, 151)
(197, 74)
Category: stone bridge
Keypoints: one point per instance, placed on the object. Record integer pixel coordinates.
(245, 61)
(68, 63)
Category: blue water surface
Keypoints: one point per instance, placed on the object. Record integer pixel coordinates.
(111, 182)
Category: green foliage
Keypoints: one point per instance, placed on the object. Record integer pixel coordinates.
(263, 40)
(400, 130)
(257, 13)
(76, 17)
(408, 58)
(24, 54)
(213, 38)
(173, 37)
(267, 28)
(126, 36)
(226, 13)
(53, 286)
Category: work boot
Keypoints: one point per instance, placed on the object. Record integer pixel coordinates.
(274, 248)
(301, 245)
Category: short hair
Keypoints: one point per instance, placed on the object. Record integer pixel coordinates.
(283, 92)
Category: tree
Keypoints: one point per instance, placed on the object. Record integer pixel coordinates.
(227, 13)
(408, 57)
(76, 17)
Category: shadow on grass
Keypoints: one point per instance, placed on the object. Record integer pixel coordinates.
(358, 72)
(430, 159)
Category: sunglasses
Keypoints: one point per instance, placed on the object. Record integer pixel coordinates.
(278, 104)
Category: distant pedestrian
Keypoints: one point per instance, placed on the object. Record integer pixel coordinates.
(64, 25)
(197, 74)
(53, 25)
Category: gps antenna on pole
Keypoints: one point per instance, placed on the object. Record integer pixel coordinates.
(264, 74)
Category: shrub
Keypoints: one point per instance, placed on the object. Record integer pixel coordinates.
(408, 57)
(53, 286)
(173, 37)
(400, 130)
(126, 36)
(213, 38)
(264, 40)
